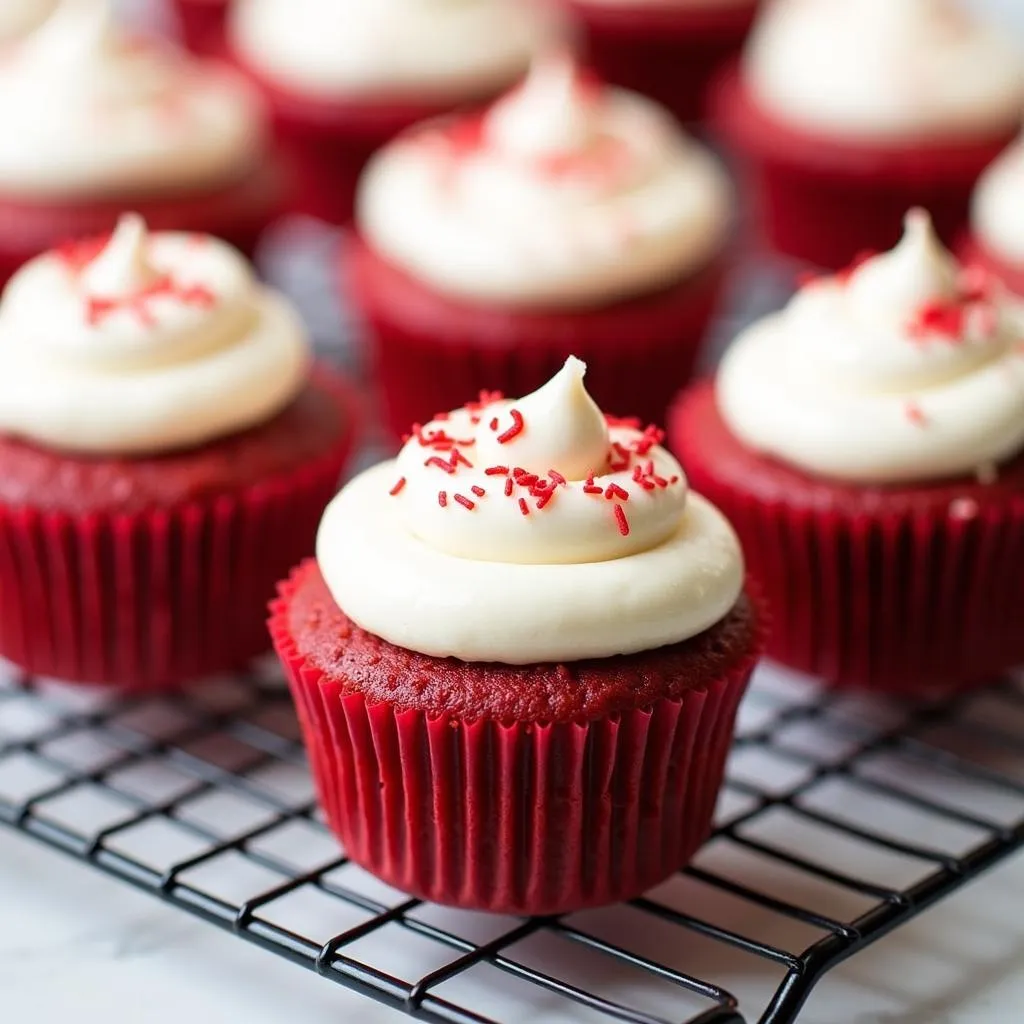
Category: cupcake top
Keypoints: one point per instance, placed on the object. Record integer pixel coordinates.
(889, 70)
(20, 16)
(529, 531)
(904, 368)
(565, 193)
(997, 214)
(90, 112)
(419, 50)
(141, 343)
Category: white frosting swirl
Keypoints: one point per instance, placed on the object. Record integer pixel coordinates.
(20, 16)
(581, 541)
(905, 369)
(997, 215)
(89, 111)
(435, 50)
(565, 194)
(143, 344)
(884, 69)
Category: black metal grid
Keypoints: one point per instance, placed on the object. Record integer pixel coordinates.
(841, 820)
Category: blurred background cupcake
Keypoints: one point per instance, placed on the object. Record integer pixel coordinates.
(344, 76)
(569, 217)
(842, 115)
(97, 119)
(666, 49)
(200, 24)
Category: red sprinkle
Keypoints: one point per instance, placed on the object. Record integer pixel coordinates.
(478, 490)
(629, 422)
(615, 491)
(496, 471)
(515, 430)
(465, 502)
(544, 497)
(436, 460)
(674, 480)
(442, 499)
(915, 414)
(508, 487)
(398, 487)
(494, 423)
(557, 477)
(622, 521)
(523, 507)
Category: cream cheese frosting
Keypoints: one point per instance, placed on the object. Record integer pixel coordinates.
(563, 194)
(906, 368)
(433, 50)
(530, 531)
(143, 343)
(997, 214)
(20, 16)
(884, 69)
(89, 111)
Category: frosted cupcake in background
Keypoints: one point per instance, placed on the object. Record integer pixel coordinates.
(96, 120)
(666, 49)
(868, 445)
(518, 656)
(569, 217)
(342, 77)
(995, 240)
(166, 449)
(844, 114)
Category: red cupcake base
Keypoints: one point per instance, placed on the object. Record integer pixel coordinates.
(202, 24)
(824, 201)
(237, 212)
(896, 589)
(105, 578)
(512, 817)
(667, 52)
(431, 352)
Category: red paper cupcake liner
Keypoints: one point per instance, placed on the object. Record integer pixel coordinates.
(238, 213)
(326, 144)
(669, 53)
(825, 201)
(202, 24)
(514, 818)
(904, 591)
(972, 251)
(433, 354)
(151, 599)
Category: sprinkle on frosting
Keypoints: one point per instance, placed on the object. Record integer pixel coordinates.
(143, 343)
(572, 558)
(843, 381)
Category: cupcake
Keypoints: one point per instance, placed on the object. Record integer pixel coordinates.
(342, 77)
(995, 239)
(518, 655)
(96, 120)
(568, 217)
(843, 115)
(665, 49)
(20, 16)
(166, 450)
(868, 445)
(201, 24)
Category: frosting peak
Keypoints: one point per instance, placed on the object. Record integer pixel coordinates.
(466, 546)
(907, 367)
(143, 343)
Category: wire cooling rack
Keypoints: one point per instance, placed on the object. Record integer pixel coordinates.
(841, 820)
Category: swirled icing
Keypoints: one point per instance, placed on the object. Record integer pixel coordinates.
(997, 214)
(439, 50)
(906, 368)
(884, 69)
(530, 531)
(89, 111)
(143, 344)
(564, 194)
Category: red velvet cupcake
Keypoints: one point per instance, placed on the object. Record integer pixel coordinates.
(165, 455)
(342, 77)
(842, 116)
(518, 657)
(868, 445)
(201, 24)
(995, 240)
(569, 217)
(96, 121)
(666, 50)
